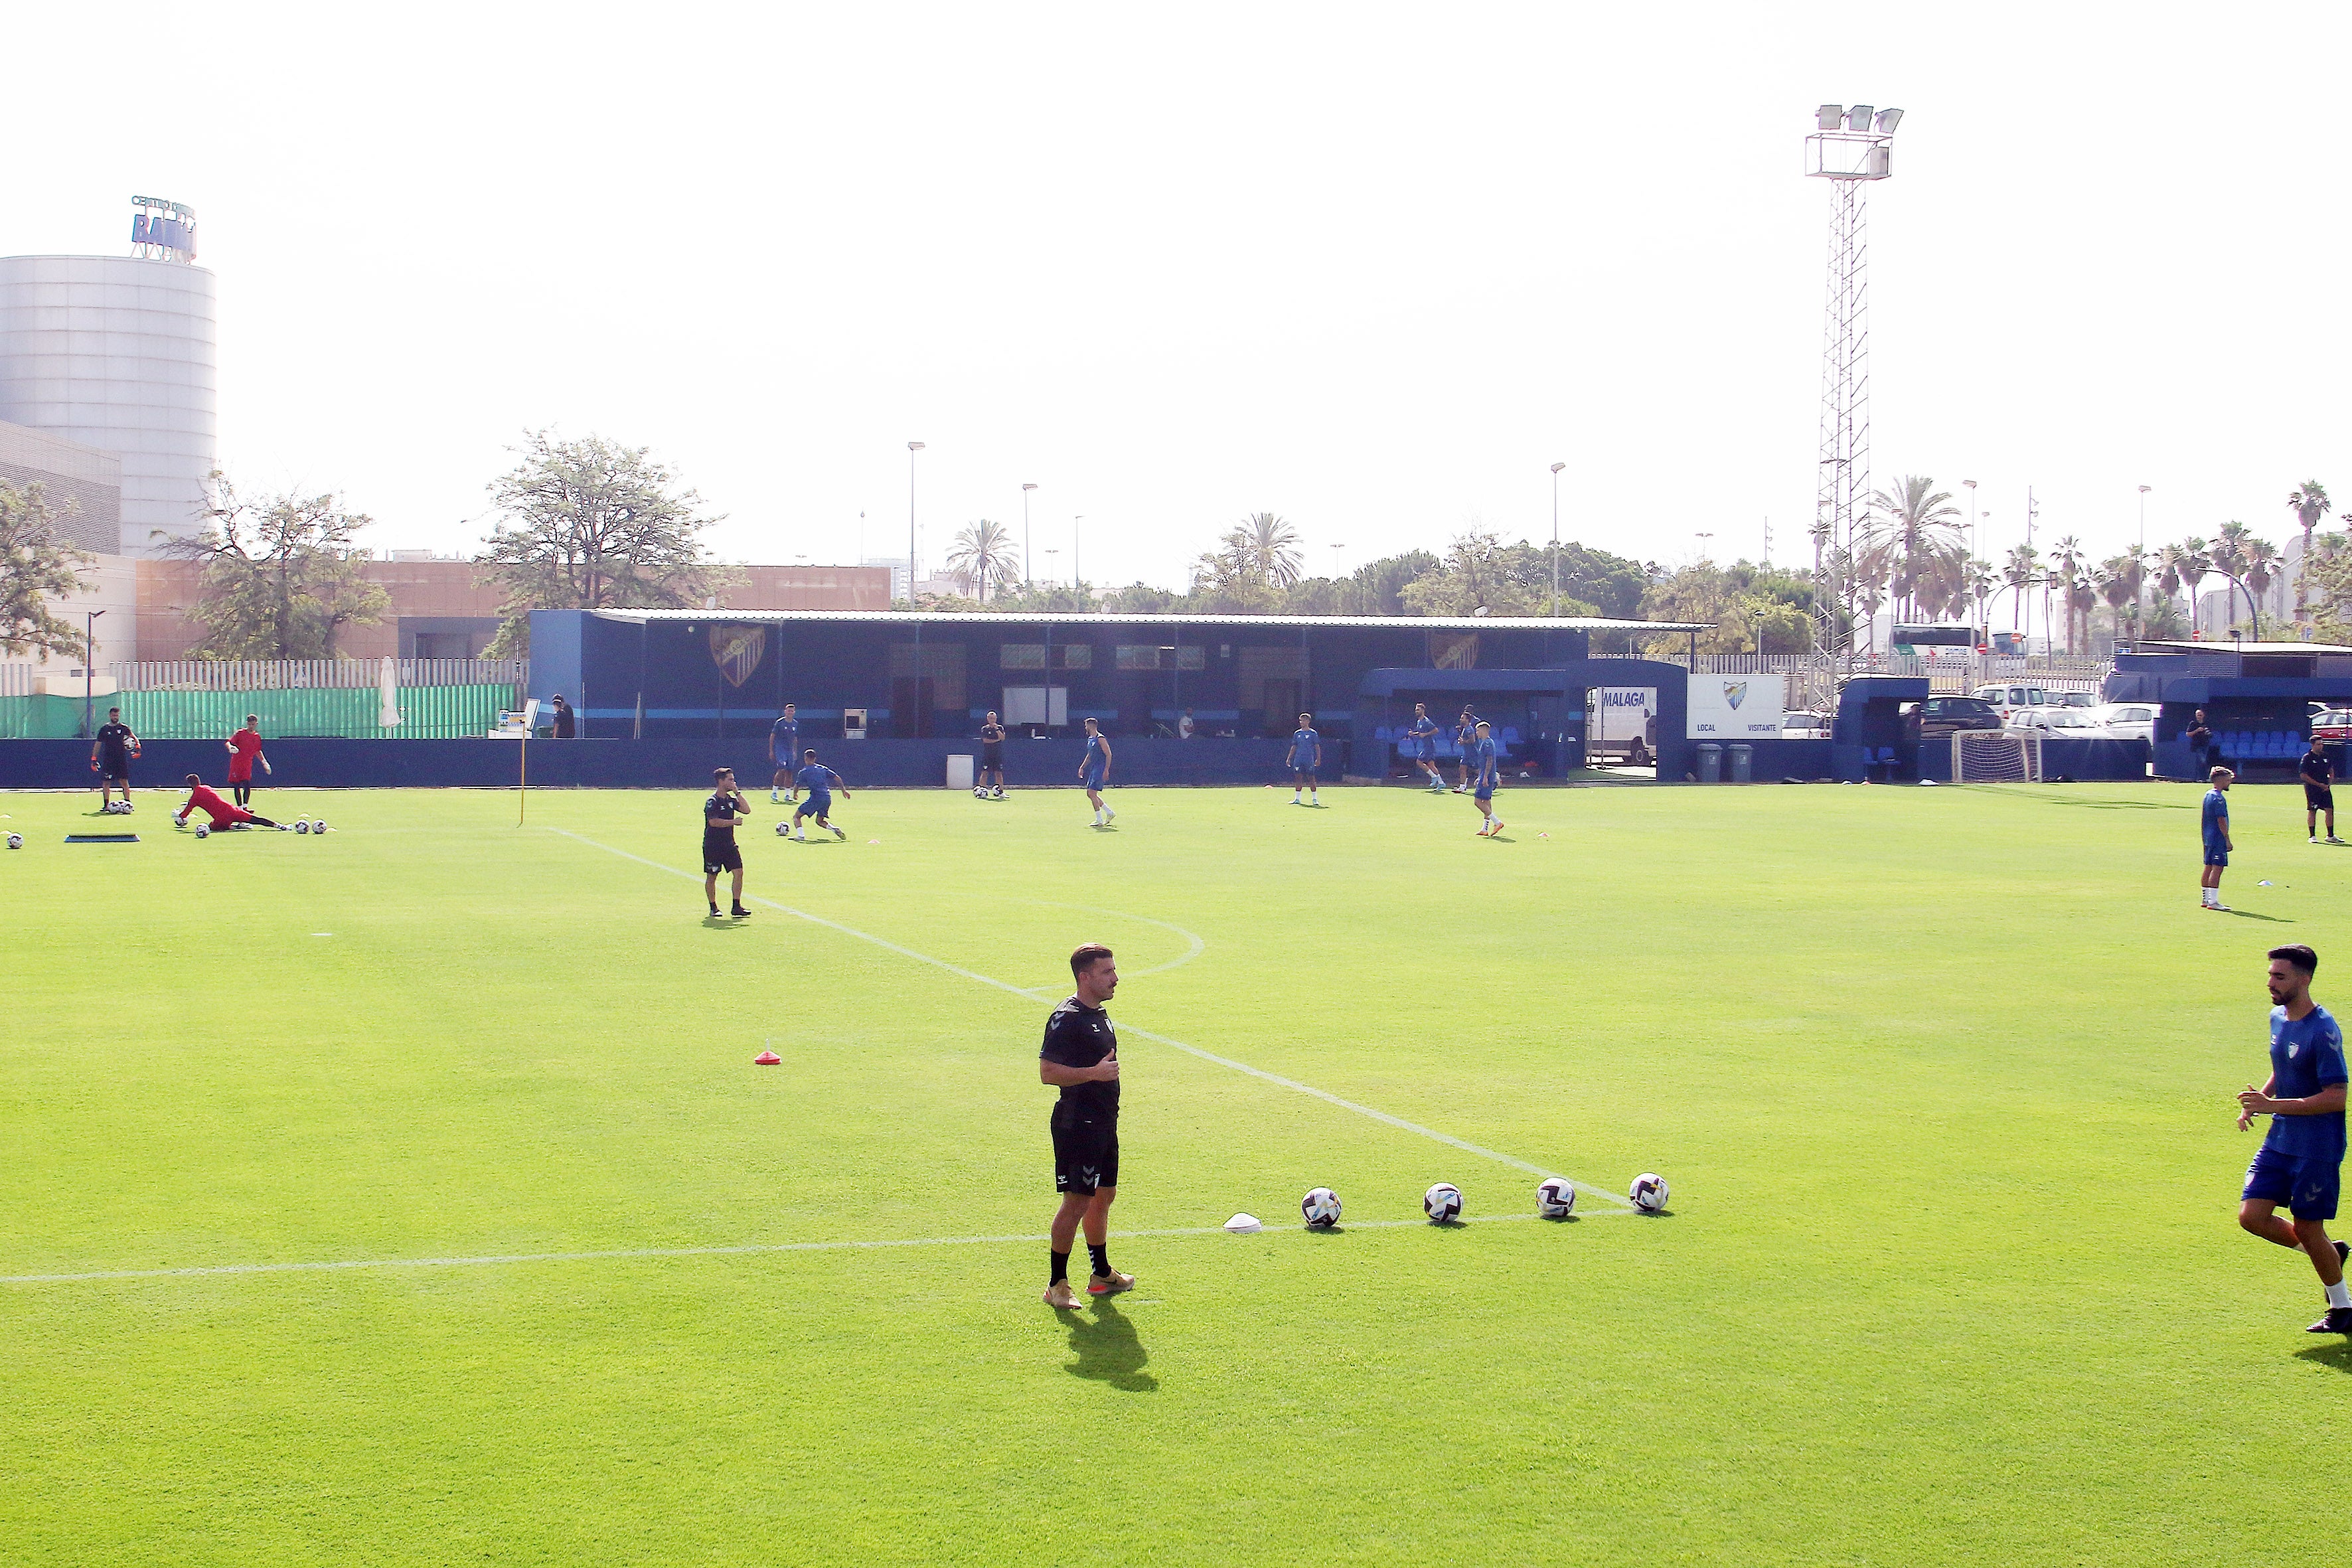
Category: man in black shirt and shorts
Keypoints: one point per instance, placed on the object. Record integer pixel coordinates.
(109, 758)
(991, 761)
(1080, 1058)
(720, 852)
(2319, 776)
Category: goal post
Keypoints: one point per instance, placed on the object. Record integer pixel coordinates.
(1985, 756)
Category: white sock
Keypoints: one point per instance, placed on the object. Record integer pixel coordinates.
(2338, 1295)
(2212, 895)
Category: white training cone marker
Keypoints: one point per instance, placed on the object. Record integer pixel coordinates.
(1245, 1223)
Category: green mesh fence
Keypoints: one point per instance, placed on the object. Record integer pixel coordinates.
(426, 713)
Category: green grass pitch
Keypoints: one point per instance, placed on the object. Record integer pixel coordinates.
(1941, 1079)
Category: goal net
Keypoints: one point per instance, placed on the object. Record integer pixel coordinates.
(1980, 756)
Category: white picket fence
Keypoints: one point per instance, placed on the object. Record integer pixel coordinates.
(314, 674)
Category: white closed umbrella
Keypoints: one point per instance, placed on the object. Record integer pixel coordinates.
(387, 686)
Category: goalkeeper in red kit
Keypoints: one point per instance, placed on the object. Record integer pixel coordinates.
(202, 797)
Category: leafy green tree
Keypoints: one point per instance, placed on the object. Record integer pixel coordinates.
(589, 524)
(280, 577)
(1749, 608)
(37, 567)
(1474, 577)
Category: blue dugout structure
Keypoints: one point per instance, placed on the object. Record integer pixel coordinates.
(2258, 700)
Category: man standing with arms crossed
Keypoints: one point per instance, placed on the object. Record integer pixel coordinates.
(1080, 1058)
(783, 752)
(2301, 1161)
(2214, 817)
(2318, 776)
(244, 751)
(719, 851)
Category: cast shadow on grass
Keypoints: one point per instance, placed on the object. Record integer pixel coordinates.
(1108, 1351)
(724, 922)
(2337, 1355)
(2274, 920)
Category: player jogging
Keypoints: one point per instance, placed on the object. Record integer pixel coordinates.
(819, 781)
(110, 759)
(720, 850)
(202, 797)
(2318, 776)
(1466, 741)
(1094, 772)
(1423, 736)
(991, 761)
(2215, 817)
(1489, 774)
(1080, 1058)
(1305, 757)
(244, 751)
(2301, 1160)
(784, 748)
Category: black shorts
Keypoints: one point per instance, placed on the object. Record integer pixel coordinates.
(992, 756)
(718, 858)
(1086, 1149)
(2318, 797)
(114, 770)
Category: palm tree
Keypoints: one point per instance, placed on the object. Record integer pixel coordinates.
(2194, 565)
(2116, 580)
(2309, 503)
(1274, 548)
(2067, 554)
(2228, 554)
(1978, 583)
(982, 555)
(2171, 573)
(2020, 572)
(2264, 565)
(1917, 525)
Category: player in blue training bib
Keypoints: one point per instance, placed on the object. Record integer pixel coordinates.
(784, 750)
(1306, 756)
(1422, 739)
(820, 781)
(2301, 1161)
(2214, 821)
(1094, 772)
(1487, 773)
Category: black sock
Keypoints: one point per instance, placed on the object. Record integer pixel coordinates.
(1061, 1269)
(1100, 1252)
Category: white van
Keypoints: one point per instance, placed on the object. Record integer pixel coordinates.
(2011, 699)
(2128, 722)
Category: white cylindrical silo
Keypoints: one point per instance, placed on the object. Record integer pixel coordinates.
(119, 352)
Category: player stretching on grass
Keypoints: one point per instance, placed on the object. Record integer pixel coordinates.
(1080, 1058)
(2215, 817)
(783, 747)
(1466, 741)
(991, 760)
(1423, 736)
(820, 781)
(1489, 774)
(1094, 772)
(201, 798)
(2319, 776)
(110, 759)
(720, 850)
(2300, 1162)
(244, 751)
(1305, 757)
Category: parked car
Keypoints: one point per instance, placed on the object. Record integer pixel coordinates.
(2332, 726)
(2130, 721)
(2074, 699)
(2074, 723)
(2007, 699)
(1945, 715)
(1802, 726)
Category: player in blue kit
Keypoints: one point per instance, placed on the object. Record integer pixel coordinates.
(1305, 757)
(783, 746)
(1423, 737)
(1466, 741)
(2215, 821)
(1094, 772)
(1489, 773)
(2301, 1161)
(820, 781)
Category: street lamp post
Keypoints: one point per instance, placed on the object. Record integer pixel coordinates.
(912, 447)
(1025, 573)
(1337, 545)
(2139, 562)
(1074, 551)
(1556, 468)
(89, 672)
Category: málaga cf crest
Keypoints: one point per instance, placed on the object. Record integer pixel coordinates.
(737, 650)
(1734, 691)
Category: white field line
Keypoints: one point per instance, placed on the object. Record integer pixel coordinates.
(636, 1253)
(1276, 1078)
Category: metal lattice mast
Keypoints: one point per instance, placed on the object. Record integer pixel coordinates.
(1851, 148)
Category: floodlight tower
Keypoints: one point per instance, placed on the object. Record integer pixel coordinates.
(1853, 147)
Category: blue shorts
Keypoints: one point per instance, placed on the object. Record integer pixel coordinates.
(816, 802)
(1483, 790)
(2215, 855)
(1425, 750)
(1092, 778)
(2308, 1186)
(1299, 767)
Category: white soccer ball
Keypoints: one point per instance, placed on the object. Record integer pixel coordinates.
(1442, 1203)
(1556, 1197)
(784, 829)
(1320, 1208)
(15, 841)
(1649, 1192)
(318, 826)
(301, 825)
(203, 830)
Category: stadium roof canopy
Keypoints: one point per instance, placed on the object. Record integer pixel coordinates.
(1076, 618)
(2157, 644)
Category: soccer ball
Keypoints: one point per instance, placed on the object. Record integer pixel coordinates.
(15, 841)
(318, 826)
(301, 825)
(1442, 1203)
(1320, 1208)
(203, 831)
(784, 829)
(1649, 1192)
(1556, 1197)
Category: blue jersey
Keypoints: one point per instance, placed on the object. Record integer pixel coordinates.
(1484, 753)
(2216, 817)
(1304, 744)
(817, 779)
(784, 740)
(1425, 735)
(1466, 739)
(2306, 1056)
(1098, 754)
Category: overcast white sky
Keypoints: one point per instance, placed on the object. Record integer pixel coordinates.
(1374, 268)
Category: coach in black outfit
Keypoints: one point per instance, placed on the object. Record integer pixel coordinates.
(719, 851)
(2318, 776)
(1080, 1058)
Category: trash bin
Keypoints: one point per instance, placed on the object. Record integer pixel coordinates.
(959, 770)
(1743, 764)
(1710, 762)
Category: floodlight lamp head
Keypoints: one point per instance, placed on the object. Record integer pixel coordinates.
(1557, 466)
(1858, 116)
(1888, 119)
(1028, 487)
(1829, 116)
(914, 445)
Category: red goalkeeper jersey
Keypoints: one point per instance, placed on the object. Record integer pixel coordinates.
(203, 798)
